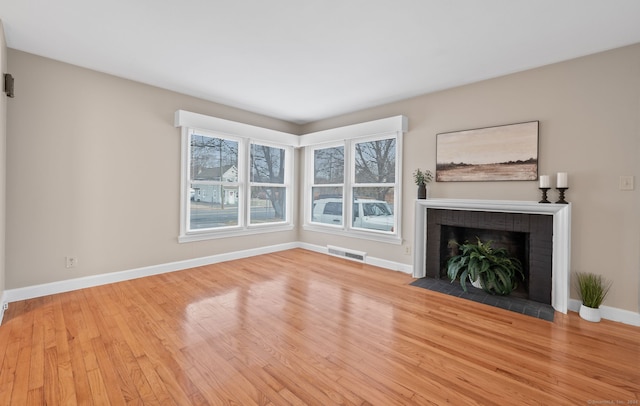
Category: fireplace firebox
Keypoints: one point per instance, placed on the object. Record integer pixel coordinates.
(528, 237)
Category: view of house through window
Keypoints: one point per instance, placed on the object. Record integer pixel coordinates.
(214, 193)
(238, 179)
(218, 194)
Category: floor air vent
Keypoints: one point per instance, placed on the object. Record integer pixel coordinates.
(345, 253)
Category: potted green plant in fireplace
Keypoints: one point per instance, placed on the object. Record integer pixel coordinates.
(494, 269)
(422, 178)
(593, 290)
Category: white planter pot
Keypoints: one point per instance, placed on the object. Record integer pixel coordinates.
(476, 283)
(589, 313)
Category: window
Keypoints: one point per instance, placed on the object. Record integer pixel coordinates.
(236, 178)
(213, 182)
(328, 185)
(268, 186)
(355, 193)
(373, 186)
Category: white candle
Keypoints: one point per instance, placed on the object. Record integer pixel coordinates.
(562, 180)
(544, 181)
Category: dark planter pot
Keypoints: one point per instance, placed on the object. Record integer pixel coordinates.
(422, 191)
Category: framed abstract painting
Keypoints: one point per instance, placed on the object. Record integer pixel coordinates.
(506, 152)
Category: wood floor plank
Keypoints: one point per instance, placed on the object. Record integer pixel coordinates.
(35, 397)
(20, 389)
(155, 382)
(36, 369)
(51, 379)
(120, 391)
(9, 344)
(302, 328)
(99, 391)
(65, 385)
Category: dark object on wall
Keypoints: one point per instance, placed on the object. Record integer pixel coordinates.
(422, 191)
(507, 152)
(8, 85)
(561, 191)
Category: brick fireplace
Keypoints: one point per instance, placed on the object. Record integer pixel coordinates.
(538, 233)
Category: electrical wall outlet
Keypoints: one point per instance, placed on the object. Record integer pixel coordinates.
(626, 183)
(407, 250)
(72, 262)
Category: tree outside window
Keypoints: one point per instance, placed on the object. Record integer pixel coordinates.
(372, 185)
(213, 177)
(268, 191)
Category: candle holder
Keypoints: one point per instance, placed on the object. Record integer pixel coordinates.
(544, 195)
(561, 192)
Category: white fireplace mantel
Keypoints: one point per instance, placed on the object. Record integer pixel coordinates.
(561, 262)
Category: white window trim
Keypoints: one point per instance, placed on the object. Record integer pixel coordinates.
(396, 185)
(288, 185)
(309, 183)
(349, 136)
(397, 124)
(186, 217)
(385, 127)
(246, 134)
(219, 125)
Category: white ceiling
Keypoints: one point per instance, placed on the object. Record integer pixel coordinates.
(305, 60)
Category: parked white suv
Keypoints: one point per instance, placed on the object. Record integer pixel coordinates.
(367, 213)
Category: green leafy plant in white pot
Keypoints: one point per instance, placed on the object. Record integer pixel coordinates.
(593, 290)
(493, 270)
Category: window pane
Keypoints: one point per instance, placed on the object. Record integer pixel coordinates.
(375, 161)
(268, 204)
(214, 159)
(327, 205)
(267, 164)
(328, 165)
(213, 206)
(373, 208)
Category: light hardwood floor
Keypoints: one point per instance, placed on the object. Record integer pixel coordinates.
(301, 328)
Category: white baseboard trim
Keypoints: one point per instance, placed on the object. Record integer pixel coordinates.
(30, 292)
(45, 289)
(394, 266)
(313, 247)
(611, 313)
(3, 302)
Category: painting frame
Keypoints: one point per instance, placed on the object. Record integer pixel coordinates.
(506, 152)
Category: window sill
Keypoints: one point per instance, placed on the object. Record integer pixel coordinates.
(373, 236)
(212, 235)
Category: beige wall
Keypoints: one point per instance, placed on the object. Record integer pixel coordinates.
(589, 113)
(3, 157)
(93, 172)
(93, 165)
